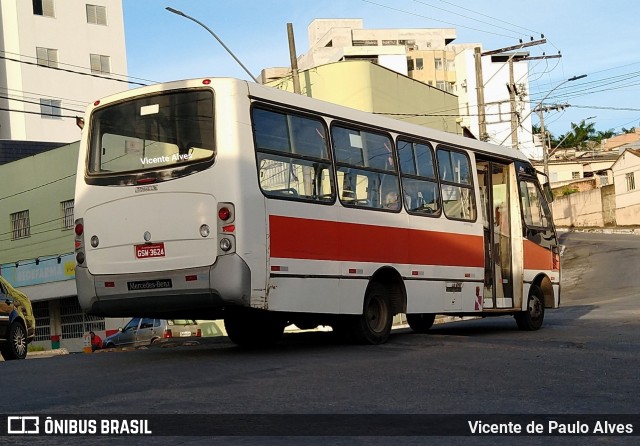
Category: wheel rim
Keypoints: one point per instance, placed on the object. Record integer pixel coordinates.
(376, 315)
(535, 308)
(20, 342)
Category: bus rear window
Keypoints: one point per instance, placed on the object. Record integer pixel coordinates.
(152, 132)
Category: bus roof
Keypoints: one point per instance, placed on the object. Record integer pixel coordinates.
(288, 99)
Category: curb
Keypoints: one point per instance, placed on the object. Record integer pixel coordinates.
(48, 353)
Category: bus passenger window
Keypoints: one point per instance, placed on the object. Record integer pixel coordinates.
(419, 182)
(458, 199)
(293, 157)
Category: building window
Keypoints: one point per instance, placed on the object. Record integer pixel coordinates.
(67, 214)
(100, 63)
(389, 42)
(575, 175)
(43, 320)
(410, 64)
(43, 8)
(47, 57)
(419, 63)
(441, 85)
(20, 226)
(365, 43)
(51, 108)
(438, 64)
(96, 15)
(631, 181)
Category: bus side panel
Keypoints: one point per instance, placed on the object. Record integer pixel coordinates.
(238, 184)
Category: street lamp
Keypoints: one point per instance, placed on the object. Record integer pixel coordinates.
(175, 11)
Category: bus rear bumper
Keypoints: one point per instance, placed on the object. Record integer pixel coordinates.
(195, 293)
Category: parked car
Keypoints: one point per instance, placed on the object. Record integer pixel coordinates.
(145, 331)
(17, 323)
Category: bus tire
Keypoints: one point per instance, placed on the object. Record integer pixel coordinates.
(253, 328)
(421, 322)
(373, 326)
(532, 318)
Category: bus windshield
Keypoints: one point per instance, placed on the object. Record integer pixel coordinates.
(152, 132)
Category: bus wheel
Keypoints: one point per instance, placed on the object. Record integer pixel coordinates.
(253, 328)
(374, 325)
(421, 323)
(532, 318)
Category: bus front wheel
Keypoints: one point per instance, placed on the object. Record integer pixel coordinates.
(253, 328)
(374, 325)
(531, 319)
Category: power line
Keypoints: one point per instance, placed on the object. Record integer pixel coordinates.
(436, 20)
(72, 71)
(37, 113)
(464, 16)
(38, 187)
(489, 17)
(79, 66)
(38, 103)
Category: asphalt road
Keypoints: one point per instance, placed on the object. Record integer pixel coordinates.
(584, 361)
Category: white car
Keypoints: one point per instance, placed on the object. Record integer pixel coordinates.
(146, 331)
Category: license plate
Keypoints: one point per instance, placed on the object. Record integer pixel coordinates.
(185, 333)
(149, 250)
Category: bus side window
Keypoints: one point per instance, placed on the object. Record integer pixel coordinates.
(419, 182)
(458, 199)
(534, 208)
(293, 157)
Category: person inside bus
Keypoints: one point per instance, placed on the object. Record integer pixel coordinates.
(96, 342)
(391, 201)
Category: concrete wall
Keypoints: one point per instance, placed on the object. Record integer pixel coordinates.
(579, 209)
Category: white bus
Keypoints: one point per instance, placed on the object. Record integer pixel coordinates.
(223, 199)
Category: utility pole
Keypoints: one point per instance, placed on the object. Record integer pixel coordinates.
(545, 154)
(512, 101)
(482, 119)
(294, 59)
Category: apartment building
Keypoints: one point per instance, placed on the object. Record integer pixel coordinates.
(430, 57)
(56, 56)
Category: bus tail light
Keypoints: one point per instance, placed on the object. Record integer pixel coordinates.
(79, 242)
(226, 228)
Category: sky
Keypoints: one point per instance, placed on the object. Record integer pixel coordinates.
(596, 38)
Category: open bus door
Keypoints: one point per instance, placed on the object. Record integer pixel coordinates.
(495, 189)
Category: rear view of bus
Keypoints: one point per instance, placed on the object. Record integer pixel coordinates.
(148, 225)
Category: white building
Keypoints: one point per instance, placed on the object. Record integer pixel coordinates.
(39, 39)
(496, 77)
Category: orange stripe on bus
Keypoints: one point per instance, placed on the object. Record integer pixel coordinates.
(302, 238)
(537, 257)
